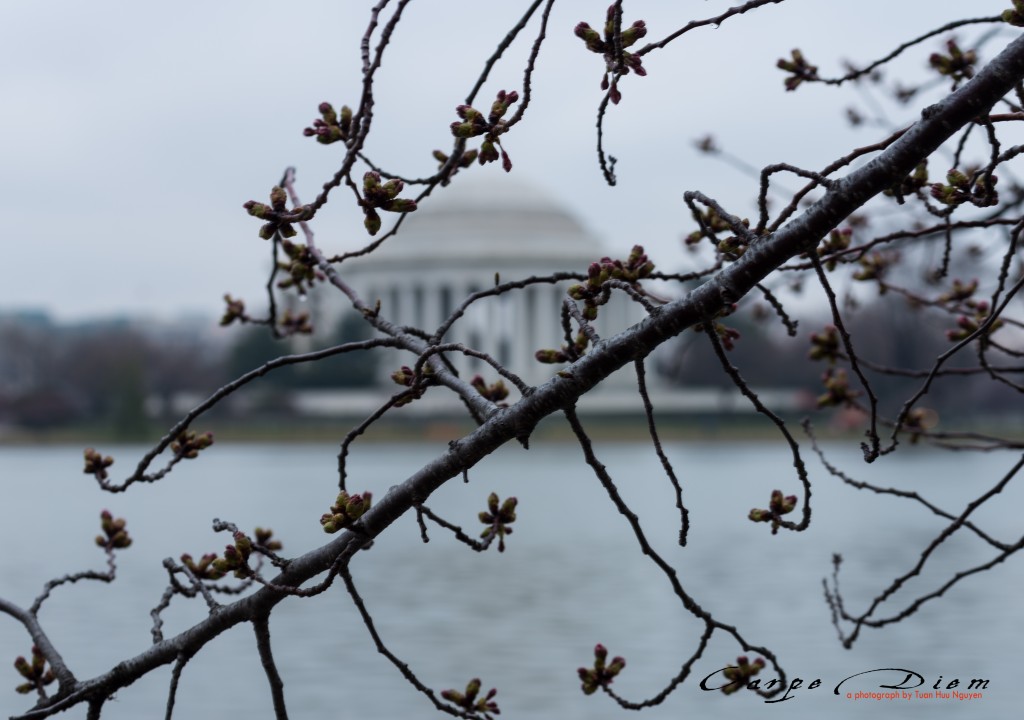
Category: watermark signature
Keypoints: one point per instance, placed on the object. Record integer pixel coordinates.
(889, 686)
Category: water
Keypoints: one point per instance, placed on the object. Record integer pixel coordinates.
(523, 621)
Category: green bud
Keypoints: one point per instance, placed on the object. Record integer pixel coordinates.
(371, 181)
(576, 292)
(400, 205)
(465, 129)
(257, 209)
(371, 221)
(278, 198)
(392, 187)
(468, 113)
(1013, 17)
(590, 36)
(488, 153)
(633, 33)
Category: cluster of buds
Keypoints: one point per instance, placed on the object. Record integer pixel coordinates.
(911, 184)
(264, 539)
(875, 265)
(969, 324)
(301, 267)
(958, 64)
(464, 161)
(345, 511)
(272, 214)
(837, 389)
(740, 674)
(329, 127)
(469, 700)
(632, 270)
(726, 335)
(236, 559)
(825, 345)
(406, 377)
(837, 241)
(189, 444)
(474, 124)
(732, 247)
(607, 46)
(35, 673)
(495, 392)
(235, 310)
(203, 569)
(603, 672)
(778, 506)
(114, 536)
(711, 223)
(798, 68)
(1015, 16)
(960, 291)
(382, 196)
(96, 464)
(498, 518)
(976, 188)
(295, 323)
(567, 353)
(236, 556)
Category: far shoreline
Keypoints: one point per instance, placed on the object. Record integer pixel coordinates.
(715, 429)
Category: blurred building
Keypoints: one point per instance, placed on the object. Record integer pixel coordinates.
(464, 239)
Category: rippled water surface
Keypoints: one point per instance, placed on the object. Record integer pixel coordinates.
(523, 621)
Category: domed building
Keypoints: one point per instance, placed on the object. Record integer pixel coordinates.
(461, 240)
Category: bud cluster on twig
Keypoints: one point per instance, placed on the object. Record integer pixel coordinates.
(618, 62)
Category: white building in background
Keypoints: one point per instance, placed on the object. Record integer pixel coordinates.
(454, 245)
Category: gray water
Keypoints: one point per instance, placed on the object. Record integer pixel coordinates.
(523, 621)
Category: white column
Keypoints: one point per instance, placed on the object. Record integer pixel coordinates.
(406, 311)
(466, 326)
(431, 305)
(523, 342)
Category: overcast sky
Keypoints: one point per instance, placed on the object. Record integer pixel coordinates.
(133, 132)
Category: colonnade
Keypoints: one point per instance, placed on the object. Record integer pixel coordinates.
(510, 328)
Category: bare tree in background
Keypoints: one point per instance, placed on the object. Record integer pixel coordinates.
(951, 176)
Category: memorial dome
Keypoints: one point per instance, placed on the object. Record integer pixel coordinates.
(454, 245)
(492, 222)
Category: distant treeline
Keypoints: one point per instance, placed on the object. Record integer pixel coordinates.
(126, 375)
